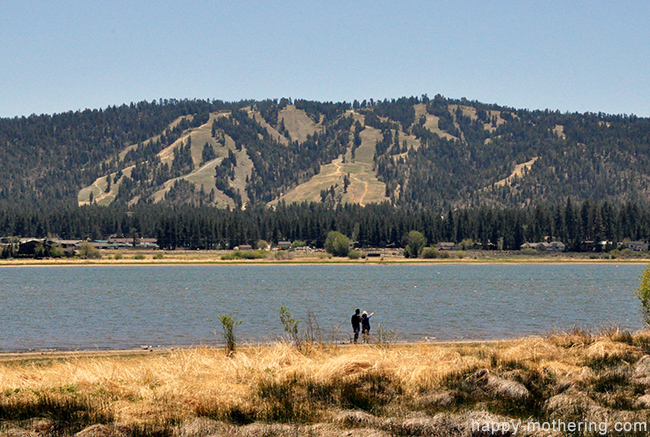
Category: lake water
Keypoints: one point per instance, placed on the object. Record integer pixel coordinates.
(111, 307)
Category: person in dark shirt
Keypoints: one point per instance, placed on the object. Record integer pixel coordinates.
(365, 325)
(356, 324)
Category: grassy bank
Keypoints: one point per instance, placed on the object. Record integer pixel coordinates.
(400, 389)
(180, 257)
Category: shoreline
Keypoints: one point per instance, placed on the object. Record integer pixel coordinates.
(53, 353)
(314, 261)
(158, 351)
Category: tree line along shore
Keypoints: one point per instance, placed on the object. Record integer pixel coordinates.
(587, 227)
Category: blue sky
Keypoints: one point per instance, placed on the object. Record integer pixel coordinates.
(63, 55)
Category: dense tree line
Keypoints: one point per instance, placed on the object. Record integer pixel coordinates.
(376, 225)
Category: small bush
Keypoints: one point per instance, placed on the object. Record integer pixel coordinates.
(290, 324)
(117, 256)
(355, 254)
(138, 256)
(87, 251)
(429, 253)
(228, 323)
(643, 292)
(245, 254)
(337, 244)
(528, 252)
(262, 245)
(283, 255)
(158, 256)
(460, 254)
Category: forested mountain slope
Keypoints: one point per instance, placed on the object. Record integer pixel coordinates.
(413, 152)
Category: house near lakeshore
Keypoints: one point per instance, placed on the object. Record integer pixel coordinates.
(130, 242)
(244, 247)
(553, 246)
(637, 246)
(284, 245)
(68, 247)
(445, 245)
(34, 246)
(30, 246)
(148, 243)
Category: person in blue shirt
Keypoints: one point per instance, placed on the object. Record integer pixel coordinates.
(365, 325)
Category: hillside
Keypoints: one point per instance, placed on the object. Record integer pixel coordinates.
(412, 152)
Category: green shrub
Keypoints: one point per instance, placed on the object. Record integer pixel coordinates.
(158, 256)
(415, 244)
(8, 251)
(245, 254)
(87, 251)
(467, 244)
(643, 292)
(460, 254)
(283, 255)
(429, 253)
(118, 256)
(355, 254)
(56, 251)
(528, 252)
(228, 323)
(337, 244)
(138, 256)
(290, 324)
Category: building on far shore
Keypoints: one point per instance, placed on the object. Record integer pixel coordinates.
(284, 245)
(637, 246)
(553, 246)
(445, 245)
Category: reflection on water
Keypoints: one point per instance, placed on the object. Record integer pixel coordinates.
(127, 306)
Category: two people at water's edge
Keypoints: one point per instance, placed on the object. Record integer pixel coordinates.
(361, 322)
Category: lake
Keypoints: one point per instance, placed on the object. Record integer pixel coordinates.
(119, 307)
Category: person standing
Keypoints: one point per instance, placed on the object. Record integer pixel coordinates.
(365, 325)
(356, 324)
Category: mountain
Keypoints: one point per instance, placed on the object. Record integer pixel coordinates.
(415, 152)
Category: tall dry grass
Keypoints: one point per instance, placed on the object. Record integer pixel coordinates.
(347, 387)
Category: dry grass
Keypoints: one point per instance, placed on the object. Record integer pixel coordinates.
(400, 389)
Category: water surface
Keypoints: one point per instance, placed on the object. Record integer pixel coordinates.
(109, 307)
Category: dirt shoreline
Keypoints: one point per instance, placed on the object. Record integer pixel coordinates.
(157, 351)
(183, 259)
